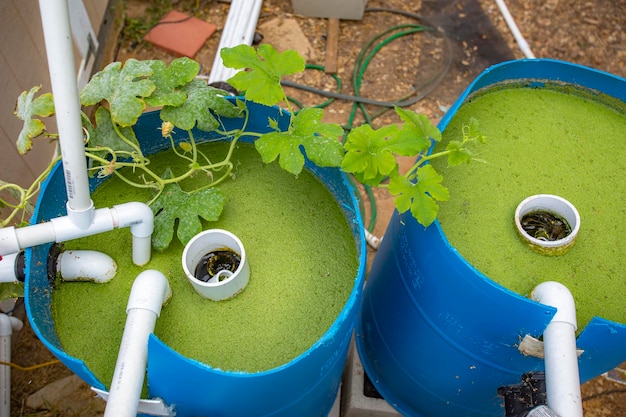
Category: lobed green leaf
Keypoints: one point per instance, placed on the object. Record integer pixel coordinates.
(174, 204)
(265, 68)
(169, 80)
(124, 88)
(195, 111)
(419, 197)
(319, 140)
(473, 133)
(26, 109)
(369, 155)
(458, 154)
(104, 135)
(420, 123)
(415, 135)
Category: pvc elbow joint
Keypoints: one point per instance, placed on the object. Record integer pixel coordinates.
(81, 218)
(8, 324)
(561, 356)
(8, 241)
(556, 295)
(139, 217)
(149, 292)
(86, 265)
(12, 268)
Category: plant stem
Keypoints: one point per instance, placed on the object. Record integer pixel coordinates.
(125, 139)
(176, 152)
(214, 182)
(427, 158)
(25, 195)
(422, 160)
(135, 184)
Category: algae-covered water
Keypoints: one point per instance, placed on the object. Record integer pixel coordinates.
(303, 265)
(544, 140)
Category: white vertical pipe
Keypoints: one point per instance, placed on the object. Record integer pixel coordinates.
(251, 23)
(150, 290)
(239, 29)
(60, 53)
(560, 354)
(232, 21)
(7, 325)
(519, 38)
(140, 219)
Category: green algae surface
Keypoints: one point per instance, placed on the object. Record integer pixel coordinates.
(303, 263)
(543, 140)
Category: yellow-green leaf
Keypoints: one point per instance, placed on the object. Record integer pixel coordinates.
(27, 108)
(262, 71)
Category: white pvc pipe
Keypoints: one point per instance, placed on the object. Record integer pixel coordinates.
(8, 273)
(239, 29)
(86, 265)
(140, 219)
(137, 216)
(251, 20)
(8, 242)
(60, 53)
(151, 407)
(561, 357)
(71, 265)
(150, 290)
(232, 21)
(82, 219)
(371, 239)
(225, 284)
(519, 38)
(7, 325)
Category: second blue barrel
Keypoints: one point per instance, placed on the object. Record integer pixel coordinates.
(435, 335)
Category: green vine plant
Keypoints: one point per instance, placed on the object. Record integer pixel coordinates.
(119, 94)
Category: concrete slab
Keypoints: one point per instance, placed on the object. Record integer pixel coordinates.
(336, 410)
(67, 396)
(354, 402)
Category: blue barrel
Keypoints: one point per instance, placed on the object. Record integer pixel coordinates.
(306, 386)
(435, 335)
